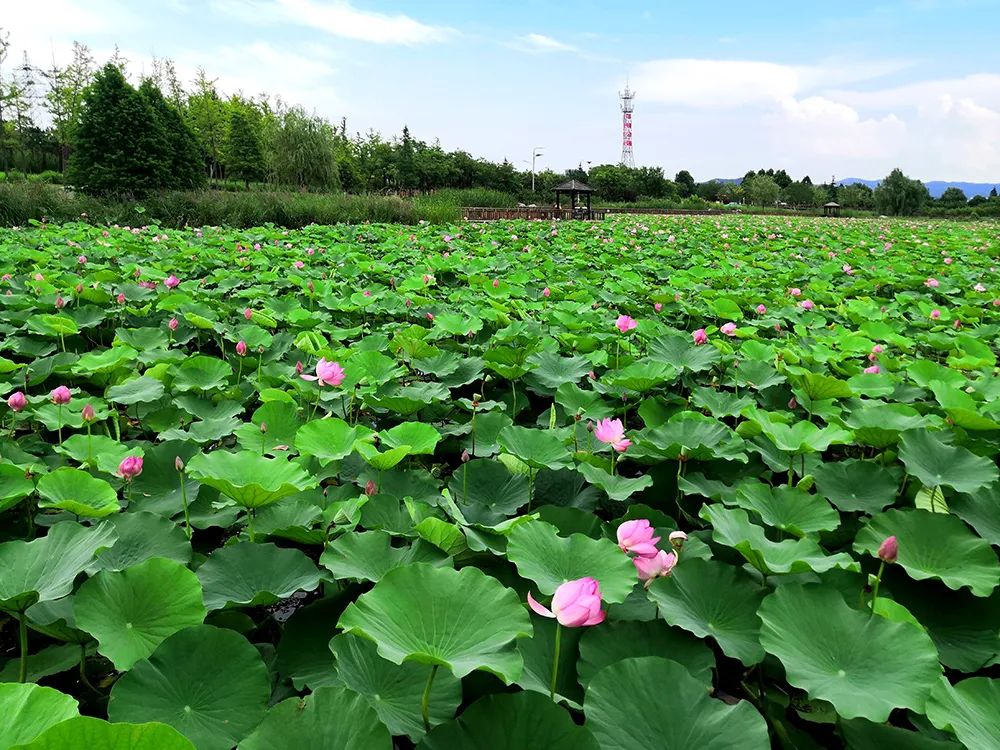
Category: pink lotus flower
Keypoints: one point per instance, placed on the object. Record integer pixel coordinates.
(657, 306)
(171, 281)
(795, 291)
(366, 293)
(979, 288)
(935, 314)
(173, 323)
(729, 329)
(636, 537)
(299, 265)
(430, 317)
(700, 337)
(848, 270)
(575, 604)
(327, 373)
(947, 261)
(546, 292)
(88, 414)
(130, 468)
(60, 303)
(60, 395)
(82, 260)
(120, 298)
(241, 348)
(496, 282)
(792, 403)
(39, 277)
(612, 432)
(761, 309)
(650, 568)
(625, 323)
(17, 401)
(878, 349)
(888, 551)
(807, 304)
(873, 370)
(248, 313)
(932, 283)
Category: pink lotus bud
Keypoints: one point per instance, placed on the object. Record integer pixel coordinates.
(795, 291)
(947, 261)
(88, 414)
(263, 428)
(932, 283)
(935, 314)
(172, 324)
(729, 329)
(120, 298)
(466, 457)
(370, 488)
(649, 568)
(761, 309)
(636, 537)
(17, 401)
(60, 303)
(366, 293)
(241, 348)
(248, 313)
(888, 551)
(700, 337)
(298, 368)
(873, 370)
(677, 539)
(130, 468)
(657, 306)
(496, 282)
(60, 395)
(79, 288)
(178, 463)
(546, 292)
(430, 317)
(575, 604)
(807, 304)
(408, 303)
(957, 325)
(792, 403)
(877, 349)
(39, 277)
(299, 264)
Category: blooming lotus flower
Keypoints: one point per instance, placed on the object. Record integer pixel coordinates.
(979, 288)
(873, 370)
(82, 260)
(932, 283)
(625, 323)
(612, 432)
(795, 291)
(171, 281)
(130, 468)
(649, 568)
(657, 306)
(878, 349)
(60, 395)
(935, 314)
(327, 373)
(241, 348)
(575, 604)
(636, 537)
(173, 323)
(729, 329)
(88, 414)
(700, 337)
(761, 309)
(947, 261)
(807, 304)
(888, 551)
(120, 298)
(248, 313)
(17, 401)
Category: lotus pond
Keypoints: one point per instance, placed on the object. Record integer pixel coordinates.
(662, 483)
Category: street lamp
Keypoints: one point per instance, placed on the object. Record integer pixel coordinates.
(535, 152)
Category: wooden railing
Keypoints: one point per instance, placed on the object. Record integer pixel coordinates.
(546, 213)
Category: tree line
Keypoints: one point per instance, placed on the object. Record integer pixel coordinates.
(102, 134)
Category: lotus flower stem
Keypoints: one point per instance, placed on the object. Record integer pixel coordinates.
(22, 630)
(184, 502)
(239, 372)
(878, 581)
(555, 662)
(425, 701)
(614, 461)
(250, 523)
(83, 670)
(260, 359)
(89, 450)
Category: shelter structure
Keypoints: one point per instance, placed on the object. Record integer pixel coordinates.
(831, 209)
(575, 190)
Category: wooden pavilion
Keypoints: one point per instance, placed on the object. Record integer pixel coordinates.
(575, 190)
(831, 209)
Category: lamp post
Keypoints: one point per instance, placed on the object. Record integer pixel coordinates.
(535, 152)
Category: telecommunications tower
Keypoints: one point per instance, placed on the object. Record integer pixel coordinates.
(627, 105)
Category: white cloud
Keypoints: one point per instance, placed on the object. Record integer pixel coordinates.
(542, 43)
(338, 18)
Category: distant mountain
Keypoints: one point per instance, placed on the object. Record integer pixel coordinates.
(936, 187)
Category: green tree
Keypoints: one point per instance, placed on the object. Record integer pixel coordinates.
(208, 117)
(120, 144)
(953, 197)
(686, 183)
(782, 178)
(244, 154)
(302, 151)
(406, 170)
(64, 97)
(762, 190)
(993, 193)
(175, 144)
(798, 194)
(898, 195)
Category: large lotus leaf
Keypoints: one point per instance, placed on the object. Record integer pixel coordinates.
(879, 424)
(77, 492)
(803, 436)
(860, 734)
(680, 352)
(331, 717)
(640, 377)
(202, 373)
(87, 733)
(617, 715)
(538, 653)
(550, 370)
(142, 535)
(420, 437)
(381, 460)
(143, 390)
(131, 612)
(971, 709)
(487, 492)
(787, 508)
(394, 690)
(251, 480)
(856, 485)
(369, 555)
(981, 510)
(44, 569)
(28, 710)
(511, 721)
(45, 663)
(732, 527)
(250, 574)
(937, 464)
(710, 598)
(935, 545)
(962, 409)
(617, 487)
(208, 683)
(543, 556)
(14, 486)
(818, 387)
(865, 666)
(328, 439)
(618, 640)
(460, 619)
(273, 424)
(539, 449)
(692, 435)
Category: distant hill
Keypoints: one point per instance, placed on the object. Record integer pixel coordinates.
(936, 187)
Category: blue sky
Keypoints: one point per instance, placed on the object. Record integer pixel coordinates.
(845, 89)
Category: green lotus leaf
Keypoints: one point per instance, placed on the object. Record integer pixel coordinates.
(250, 574)
(202, 373)
(787, 508)
(933, 545)
(865, 666)
(273, 424)
(856, 485)
(460, 619)
(421, 438)
(937, 464)
(970, 709)
(369, 555)
(87, 733)
(692, 435)
(14, 486)
(249, 479)
(328, 439)
(28, 710)
(690, 719)
(131, 612)
(617, 487)
(77, 492)
(866, 735)
(539, 449)
(487, 492)
(549, 560)
(981, 510)
(209, 684)
(141, 536)
(550, 370)
(382, 460)
(680, 352)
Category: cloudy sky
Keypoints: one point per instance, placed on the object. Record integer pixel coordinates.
(846, 88)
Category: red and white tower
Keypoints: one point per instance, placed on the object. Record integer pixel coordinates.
(627, 104)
